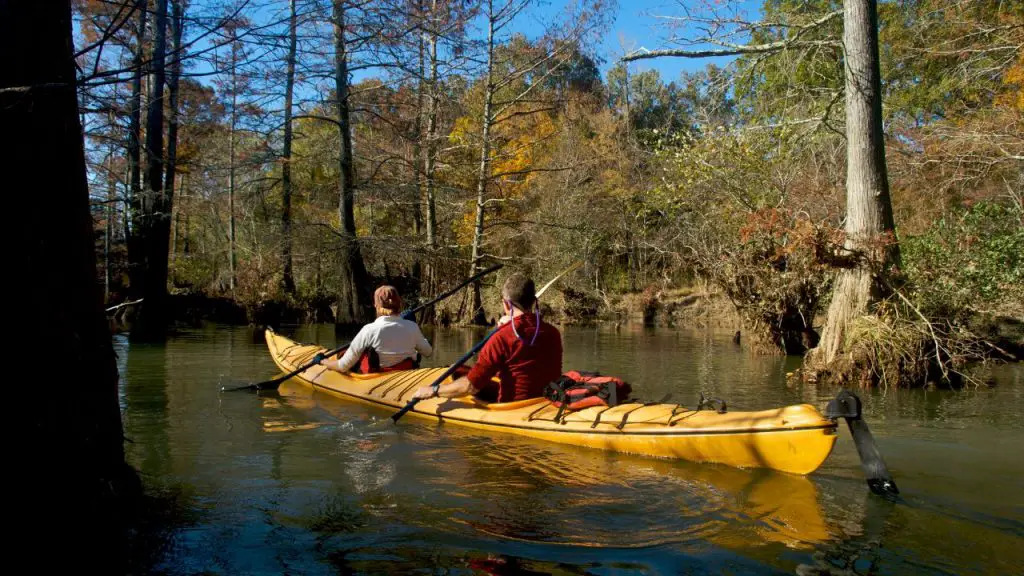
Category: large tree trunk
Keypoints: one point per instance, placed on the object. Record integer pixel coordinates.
(176, 226)
(477, 314)
(167, 211)
(287, 280)
(177, 20)
(870, 231)
(152, 320)
(417, 144)
(108, 229)
(431, 140)
(232, 258)
(352, 276)
(133, 206)
(429, 285)
(69, 464)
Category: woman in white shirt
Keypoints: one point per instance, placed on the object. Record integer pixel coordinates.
(393, 340)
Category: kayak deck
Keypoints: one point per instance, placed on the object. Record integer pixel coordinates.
(795, 439)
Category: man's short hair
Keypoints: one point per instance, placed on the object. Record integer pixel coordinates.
(520, 290)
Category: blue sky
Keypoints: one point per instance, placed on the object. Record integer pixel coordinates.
(636, 24)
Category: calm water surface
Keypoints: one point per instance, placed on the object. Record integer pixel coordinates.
(299, 482)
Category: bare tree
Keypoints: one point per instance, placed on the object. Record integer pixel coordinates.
(513, 93)
(133, 207)
(288, 281)
(152, 318)
(430, 110)
(352, 278)
(494, 19)
(177, 22)
(232, 127)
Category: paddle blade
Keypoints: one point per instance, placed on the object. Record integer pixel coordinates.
(571, 267)
(252, 387)
(847, 405)
(268, 385)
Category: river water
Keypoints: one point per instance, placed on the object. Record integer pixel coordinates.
(299, 482)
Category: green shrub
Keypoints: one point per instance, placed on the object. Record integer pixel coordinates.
(968, 260)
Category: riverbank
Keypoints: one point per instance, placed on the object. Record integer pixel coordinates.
(697, 306)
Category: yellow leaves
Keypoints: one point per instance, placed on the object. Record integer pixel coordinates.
(465, 226)
(519, 148)
(462, 127)
(1014, 78)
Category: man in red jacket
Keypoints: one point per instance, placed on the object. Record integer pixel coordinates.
(525, 353)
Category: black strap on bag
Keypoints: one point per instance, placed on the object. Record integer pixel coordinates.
(556, 393)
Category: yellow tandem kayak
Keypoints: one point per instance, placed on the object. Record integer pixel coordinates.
(794, 439)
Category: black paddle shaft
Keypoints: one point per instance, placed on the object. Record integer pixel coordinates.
(847, 405)
(411, 314)
(451, 370)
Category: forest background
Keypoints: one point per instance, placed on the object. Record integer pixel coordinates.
(270, 161)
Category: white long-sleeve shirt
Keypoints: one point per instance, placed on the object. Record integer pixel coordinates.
(393, 338)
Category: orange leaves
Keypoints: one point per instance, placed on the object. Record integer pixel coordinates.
(782, 235)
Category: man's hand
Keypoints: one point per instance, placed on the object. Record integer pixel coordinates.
(425, 392)
(504, 320)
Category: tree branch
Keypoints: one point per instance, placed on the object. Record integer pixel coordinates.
(733, 49)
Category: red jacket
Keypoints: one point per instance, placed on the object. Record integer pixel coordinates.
(523, 370)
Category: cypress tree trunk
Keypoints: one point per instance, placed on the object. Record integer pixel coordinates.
(287, 280)
(232, 258)
(133, 208)
(870, 230)
(429, 285)
(108, 229)
(477, 315)
(68, 466)
(417, 144)
(352, 277)
(151, 323)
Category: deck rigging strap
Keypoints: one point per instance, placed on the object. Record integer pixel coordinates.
(679, 409)
(283, 353)
(537, 411)
(597, 419)
(384, 382)
(309, 355)
(402, 381)
(709, 404)
(625, 416)
(416, 382)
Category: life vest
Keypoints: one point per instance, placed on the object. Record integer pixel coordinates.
(577, 390)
